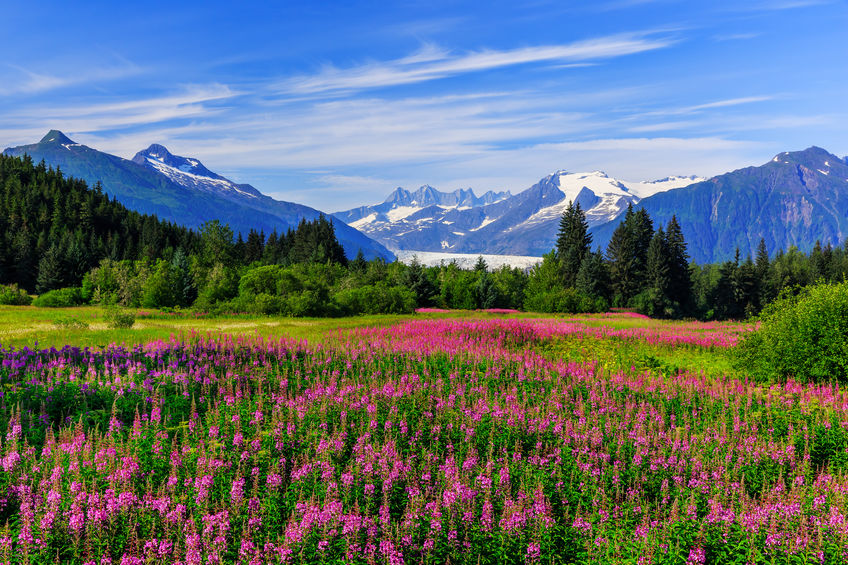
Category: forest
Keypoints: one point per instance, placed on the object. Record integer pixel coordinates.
(72, 244)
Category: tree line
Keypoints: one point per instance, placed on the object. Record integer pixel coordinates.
(72, 244)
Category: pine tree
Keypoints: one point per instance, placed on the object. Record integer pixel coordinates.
(573, 243)
(656, 299)
(185, 291)
(593, 278)
(254, 247)
(359, 264)
(627, 253)
(679, 275)
(50, 270)
(485, 291)
(415, 279)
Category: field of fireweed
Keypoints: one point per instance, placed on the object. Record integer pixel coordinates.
(431, 441)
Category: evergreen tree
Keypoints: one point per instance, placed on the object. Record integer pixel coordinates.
(481, 266)
(762, 266)
(50, 270)
(254, 247)
(415, 279)
(593, 277)
(185, 291)
(573, 243)
(655, 300)
(679, 275)
(359, 264)
(485, 291)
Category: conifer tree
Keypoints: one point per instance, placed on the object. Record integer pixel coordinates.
(627, 253)
(50, 270)
(680, 279)
(573, 243)
(415, 279)
(593, 277)
(656, 297)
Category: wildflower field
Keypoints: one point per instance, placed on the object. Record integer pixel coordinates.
(477, 439)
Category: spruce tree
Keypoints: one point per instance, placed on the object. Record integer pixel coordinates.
(593, 278)
(415, 279)
(50, 270)
(573, 243)
(679, 275)
(359, 264)
(656, 299)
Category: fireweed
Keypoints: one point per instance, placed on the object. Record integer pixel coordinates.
(420, 443)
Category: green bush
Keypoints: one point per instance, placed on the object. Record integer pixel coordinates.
(70, 324)
(118, 318)
(803, 337)
(377, 299)
(566, 300)
(11, 295)
(61, 298)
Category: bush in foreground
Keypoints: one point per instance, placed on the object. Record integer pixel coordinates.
(803, 337)
(11, 295)
(61, 298)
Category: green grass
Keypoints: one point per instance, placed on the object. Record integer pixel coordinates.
(616, 354)
(29, 325)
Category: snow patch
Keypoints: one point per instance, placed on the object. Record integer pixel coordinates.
(401, 212)
(361, 222)
(486, 221)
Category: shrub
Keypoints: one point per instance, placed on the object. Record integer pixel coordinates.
(565, 300)
(11, 295)
(377, 299)
(118, 318)
(60, 298)
(803, 337)
(70, 324)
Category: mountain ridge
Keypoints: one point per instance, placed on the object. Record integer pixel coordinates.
(182, 196)
(794, 199)
(497, 222)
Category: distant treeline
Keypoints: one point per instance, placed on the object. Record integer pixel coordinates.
(72, 244)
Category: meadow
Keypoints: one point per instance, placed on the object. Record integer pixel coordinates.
(440, 437)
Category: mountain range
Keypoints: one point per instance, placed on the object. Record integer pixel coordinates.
(795, 199)
(498, 222)
(183, 191)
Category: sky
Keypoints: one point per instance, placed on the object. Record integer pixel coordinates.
(334, 104)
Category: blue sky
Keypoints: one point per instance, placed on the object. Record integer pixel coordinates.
(333, 104)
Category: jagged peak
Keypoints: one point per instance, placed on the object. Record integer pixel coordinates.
(157, 150)
(56, 136)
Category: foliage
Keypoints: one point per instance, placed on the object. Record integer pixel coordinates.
(573, 243)
(117, 317)
(803, 336)
(60, 298)
(376, 299)
(70, 323)
(11, 295)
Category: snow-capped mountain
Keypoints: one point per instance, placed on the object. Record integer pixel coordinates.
(191, 173)
(522, 224)
(183, 191)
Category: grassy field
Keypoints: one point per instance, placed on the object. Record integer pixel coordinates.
(29, 326)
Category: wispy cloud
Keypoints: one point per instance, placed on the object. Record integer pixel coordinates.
(698, 108)
(736, 36)
(432, 63)
(19, 80)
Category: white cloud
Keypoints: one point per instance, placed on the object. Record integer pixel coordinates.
(432, 63)
(19, 80)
